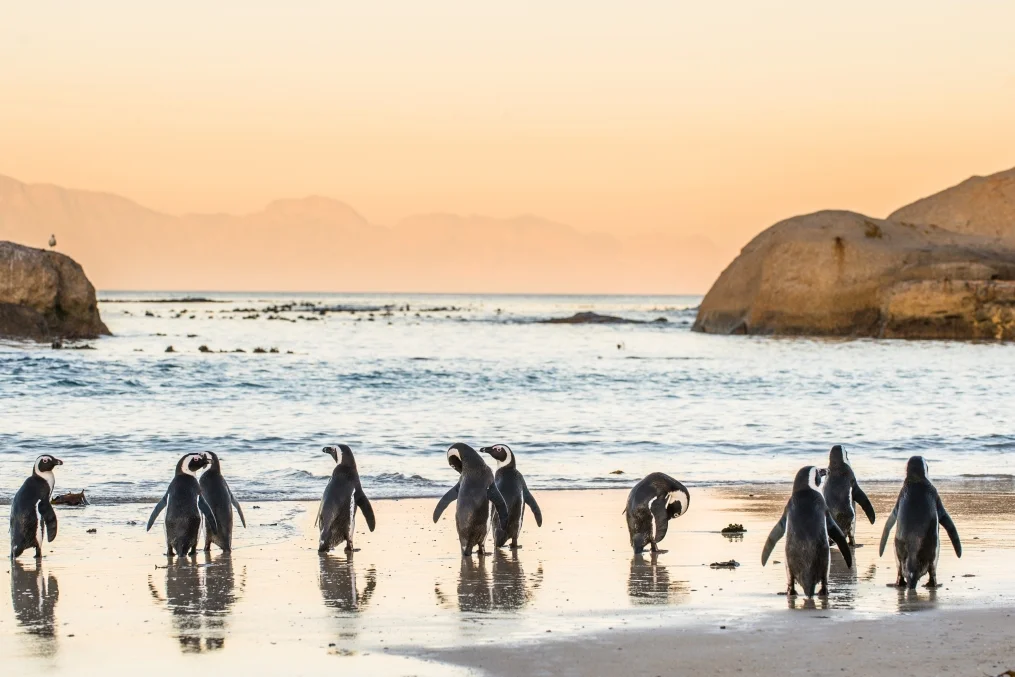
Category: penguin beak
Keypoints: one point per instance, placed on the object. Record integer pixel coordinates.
(57, 461)
(496, 453)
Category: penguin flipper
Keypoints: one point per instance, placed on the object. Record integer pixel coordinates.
(493, 493)
(946, 521)
(662, 518)
(861, 499)
(445, 501)
(364, 506)
(835, 533)
(773, 537)
(888, 529)
(533, 506)
(48, 518)
(209, 516)
(159, 507)
(239, 511)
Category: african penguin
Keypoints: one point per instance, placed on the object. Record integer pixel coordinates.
(33, 519)
(807, 524)
(511, 486)
(841, 491)
(655, 500)
(220, 499)
(916, 516)
(475, 490)
(184, 506)
(336, 515)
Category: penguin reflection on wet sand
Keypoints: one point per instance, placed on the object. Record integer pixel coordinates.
(916, 516)
(339, 587)
(516, 494)
(474, 492)
(649, 582)
(34, 597)
(807, 525)
(220, 499)
(200, 597)
(511, 588)
(841, 492)
(336, 515)
(184, 506)
(33, 519)
(653, 502)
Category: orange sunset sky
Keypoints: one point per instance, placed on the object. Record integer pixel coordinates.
(644, 143)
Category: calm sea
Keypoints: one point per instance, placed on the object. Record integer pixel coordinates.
(400, 377)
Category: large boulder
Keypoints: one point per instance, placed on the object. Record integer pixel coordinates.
(45, 295)
(981, 205)
(838, 273)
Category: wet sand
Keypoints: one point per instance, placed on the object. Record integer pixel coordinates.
(573, 600)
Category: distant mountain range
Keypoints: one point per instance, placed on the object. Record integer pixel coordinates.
(321, 244)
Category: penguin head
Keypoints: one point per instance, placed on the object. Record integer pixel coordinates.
(917, 469)
(809, 477)
(46, 463)
(677, 502)
(502, 452)
(191, 463)
(838, 456)
(213, 460)
(461, 455)
(342, 454)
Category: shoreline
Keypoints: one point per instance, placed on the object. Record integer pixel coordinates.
(408, 598)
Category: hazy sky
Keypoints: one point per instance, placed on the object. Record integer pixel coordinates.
(716, 118)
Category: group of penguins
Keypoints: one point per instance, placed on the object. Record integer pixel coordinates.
(820, 509)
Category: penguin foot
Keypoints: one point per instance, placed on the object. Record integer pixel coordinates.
(791, 591)
(515, 546)
(823, 592)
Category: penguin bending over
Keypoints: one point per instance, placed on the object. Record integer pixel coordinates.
(475, 490)
(657, 499)
(184, 506)
(807, 524)
(916, 516)
(841, 491)
(33, 519)
(220, 499)
(336, 515)
(511, 486)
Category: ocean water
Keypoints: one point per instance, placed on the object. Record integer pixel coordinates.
(400, 377)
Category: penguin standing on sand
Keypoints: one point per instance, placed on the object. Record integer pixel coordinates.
(33, 519)
(336, 515)
(184, 506)
(221, 501)
(654, 501)
(511, 486)
(918, 512)
(807, 524)
(841, 492)
(475, 490)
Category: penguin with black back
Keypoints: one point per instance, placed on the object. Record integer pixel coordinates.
(511, 485)
(220, 498)
(336, 516)
(652, 503)
(33, 519)
(841, 492)
(185, 507)
(807, 525)
(474, 492)
(917, 514)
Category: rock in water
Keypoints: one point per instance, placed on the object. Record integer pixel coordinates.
(837, 273)
(45, 295)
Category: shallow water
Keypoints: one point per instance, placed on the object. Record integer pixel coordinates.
(406, 375)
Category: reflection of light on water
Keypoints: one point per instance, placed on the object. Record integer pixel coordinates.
(34, 597)
(200, 597)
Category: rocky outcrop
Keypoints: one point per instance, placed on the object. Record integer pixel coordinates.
(838, 273)
(981, 205)
(45, 295)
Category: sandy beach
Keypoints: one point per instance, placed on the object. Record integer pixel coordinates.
(573, 600)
